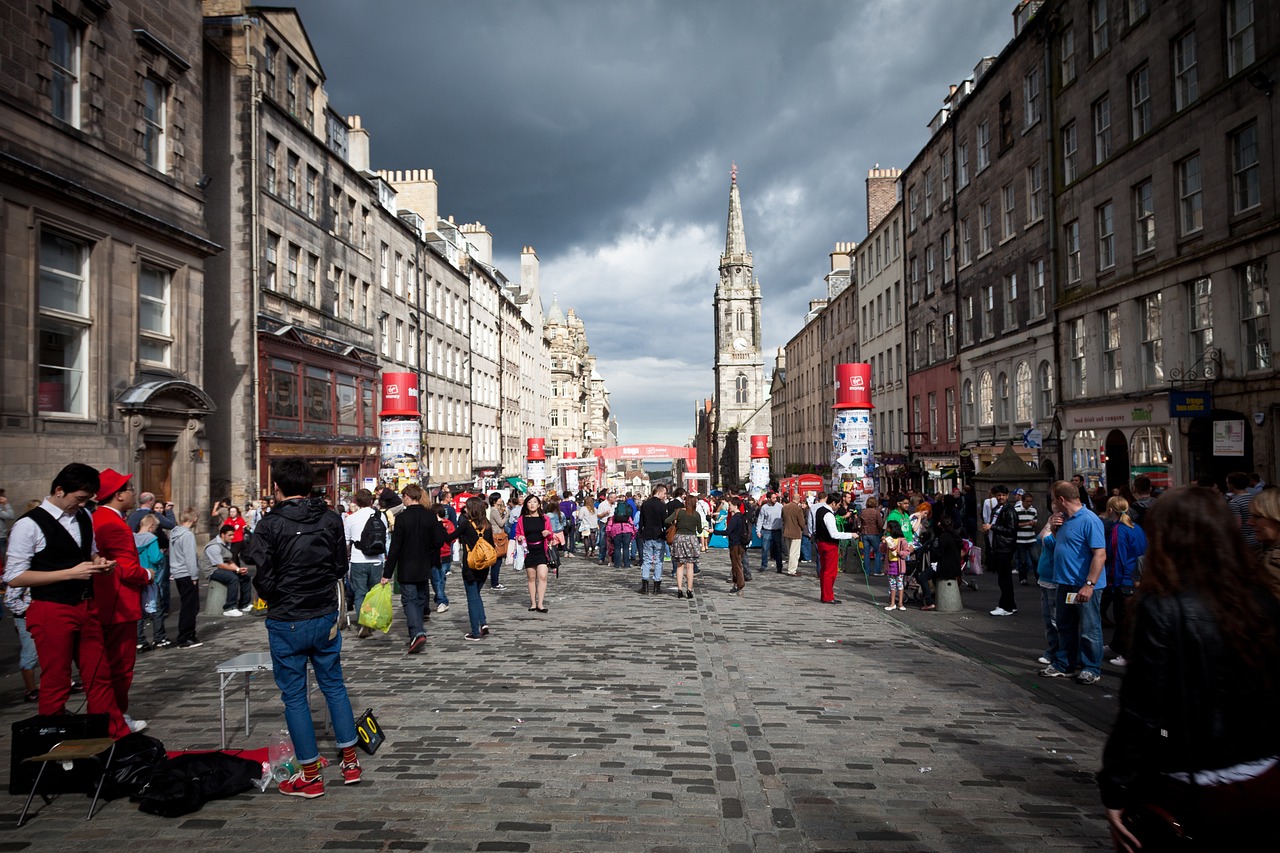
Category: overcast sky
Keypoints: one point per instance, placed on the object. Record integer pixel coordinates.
(601, 133)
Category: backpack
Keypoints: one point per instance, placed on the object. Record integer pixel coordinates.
(744, 537)
(482, 555)
(373, 539)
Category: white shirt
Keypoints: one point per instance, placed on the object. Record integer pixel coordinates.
(604, 511)
(26, 539)
(830, 521)
(770, 517)
(354, 526)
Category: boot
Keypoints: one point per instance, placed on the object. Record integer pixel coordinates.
(644, 587)
(657, 587)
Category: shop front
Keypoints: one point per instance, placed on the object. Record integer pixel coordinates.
(1110, 445)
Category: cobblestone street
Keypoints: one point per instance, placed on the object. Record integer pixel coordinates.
(625, 723)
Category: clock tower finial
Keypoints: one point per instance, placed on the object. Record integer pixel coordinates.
(733, 171)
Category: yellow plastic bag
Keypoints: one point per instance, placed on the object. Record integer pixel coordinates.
(375, 610)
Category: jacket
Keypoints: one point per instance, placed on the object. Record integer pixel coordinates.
(653, 516)
(1004, 529)
(183, 562)
(416, 541)
(1187, 702)
(793, 520)
(736, 527)
(300, 550)
(1124, 546)
(468, 536)
(117, 594)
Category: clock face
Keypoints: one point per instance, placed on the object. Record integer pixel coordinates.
(740, 344)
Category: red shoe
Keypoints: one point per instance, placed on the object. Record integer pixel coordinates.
(299, 786)
(351, 773)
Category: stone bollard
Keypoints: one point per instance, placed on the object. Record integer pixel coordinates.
(215, 599)
(947, 597)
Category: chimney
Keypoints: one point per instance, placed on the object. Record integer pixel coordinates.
(416, 190)
(357, 145)
(529, 270)
(882, 194)
(481, 241)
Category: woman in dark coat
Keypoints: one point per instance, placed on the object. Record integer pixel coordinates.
(473, 524)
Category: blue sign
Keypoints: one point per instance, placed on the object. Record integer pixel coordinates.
(1190, 404)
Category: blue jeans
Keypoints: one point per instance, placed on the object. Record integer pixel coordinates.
(414, 600)
(806, 549)
(1025, 558)
(162, 606)
(652, 549)
(871, 554)
(621, 550)
(319, 641)
(770, 544)
(1079, 632)
(475, 606)
(602, 545)
(493, 573)
(239, 590)
(437, 581)
(364, 577)
(1049, 615)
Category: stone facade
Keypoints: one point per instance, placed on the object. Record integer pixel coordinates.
(580, 415)
(103, 245)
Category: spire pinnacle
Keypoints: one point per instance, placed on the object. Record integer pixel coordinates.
(736, 238)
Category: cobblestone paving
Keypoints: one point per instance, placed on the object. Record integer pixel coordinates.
(617, 722)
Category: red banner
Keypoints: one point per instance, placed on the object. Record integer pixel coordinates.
(399, 395)
(853, 386)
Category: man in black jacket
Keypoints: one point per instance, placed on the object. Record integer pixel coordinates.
(416, 541)
(300, 550)
(653, 536)
(1004, 536)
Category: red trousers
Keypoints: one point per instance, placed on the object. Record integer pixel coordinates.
(120, 643)
(828, 567)
(66, 633)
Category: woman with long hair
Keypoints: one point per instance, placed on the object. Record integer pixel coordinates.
(1264, 512)
(240, 523)
(1193, 742)
(472, 525)
(720, 525)
(1126, 544)
(534, 536)
(688, 544)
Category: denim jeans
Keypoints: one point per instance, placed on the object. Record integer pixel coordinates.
(475, 606)
(364, 577)
(1025, 557)
(1049, 615)
(602, 546)
(806, 549)
(871, 554)
(493, 574)
(162, 607)
(239, 589)
(1079, 632)
(414, 600)
(319, 641)
(437, 581)
(770, 545)
(621, 550)
(651, 569)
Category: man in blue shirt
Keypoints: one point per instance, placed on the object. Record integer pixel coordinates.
(1079, 557)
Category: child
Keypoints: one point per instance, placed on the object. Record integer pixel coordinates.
(895, 559)
(439, 573)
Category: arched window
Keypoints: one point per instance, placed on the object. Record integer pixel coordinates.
(967, 403)
(740, 388)
(1046, 391)
(1022, 393)
(1002, 388)
(742, 320)
(986, 413)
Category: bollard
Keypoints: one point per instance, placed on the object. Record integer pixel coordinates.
(215, 599)
(948, 597)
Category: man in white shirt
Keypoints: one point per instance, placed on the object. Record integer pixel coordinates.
(604, 512)
(366, 569)
(769, 529)
(827, 534)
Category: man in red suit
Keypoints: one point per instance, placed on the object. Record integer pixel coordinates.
(117, 595)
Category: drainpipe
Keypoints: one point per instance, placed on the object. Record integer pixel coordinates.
(255, 419)
(1051, 222)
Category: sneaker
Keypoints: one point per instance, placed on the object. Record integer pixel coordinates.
(232, 612)
(1119, 660)
(364, 632)
(441, 608)
(135, 726)
(190, 644)
(1043, 660)
(1052, 672)
(1087, 677)
(1000, 611)
(164, 644)
(472, 637)
(499, 587)
(484, 630)
(299, 786)
(351, 773)
(416, 644)
(143, 648)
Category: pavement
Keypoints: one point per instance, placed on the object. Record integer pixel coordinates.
(615, 722)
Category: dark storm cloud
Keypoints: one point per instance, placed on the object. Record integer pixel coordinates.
(601, 133)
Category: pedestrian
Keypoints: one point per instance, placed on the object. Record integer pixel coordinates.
(301, 554)
(417, 541)
(184, 568)
(1079, 560)
(241, 525)
(738, 533)
(871, 520)
(473, 525)
(441, 570)
(219, 515)
(944, 554)
(769, 529)
(827, 535)
(1192, 748)
(604, 514)
(151, 558)
(17, 599)
(569, 511)
(1265, 515)
(793, 527)
(6, 522)
(366, 568)
(1238, 500)
(498, 523)
(1126, 544)
(227, 572)
(653, 531)
(117, 595)
(1048, 597)
(896, 547)
(620, 532)
(901, 513)
(588, 528)
(1026, 544)
(1002, 532)
(688, 544)
(533, 536)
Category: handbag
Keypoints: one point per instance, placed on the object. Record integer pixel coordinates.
(671, 531)
(553, 557)
(369, 734)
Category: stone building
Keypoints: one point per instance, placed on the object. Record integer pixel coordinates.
(579, 419)
(516, 332)
(486, 354)
(103, 245)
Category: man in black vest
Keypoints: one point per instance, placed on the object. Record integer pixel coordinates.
(51, 550)
(828, 535)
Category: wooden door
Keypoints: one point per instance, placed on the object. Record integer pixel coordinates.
(156, 470)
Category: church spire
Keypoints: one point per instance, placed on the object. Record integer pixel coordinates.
(736, 239)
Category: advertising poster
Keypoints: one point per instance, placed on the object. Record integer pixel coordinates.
(1228, 438)
(401, 452)
(852, 447)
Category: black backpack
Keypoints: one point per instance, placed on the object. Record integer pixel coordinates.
(373, 539)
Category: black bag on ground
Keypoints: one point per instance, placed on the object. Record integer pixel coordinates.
(136, 759)
(36, 736)
(184, 784)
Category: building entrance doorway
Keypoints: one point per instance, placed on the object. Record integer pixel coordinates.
(1117, 450)
(155, 472)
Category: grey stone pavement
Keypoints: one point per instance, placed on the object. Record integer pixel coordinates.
(625, 723)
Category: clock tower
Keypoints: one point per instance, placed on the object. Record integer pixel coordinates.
(741, 403)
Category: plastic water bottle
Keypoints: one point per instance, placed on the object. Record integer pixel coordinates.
(281, 756)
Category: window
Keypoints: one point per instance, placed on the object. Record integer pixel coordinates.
(933, 417)
(928, 270)
(1152, 340)
(988, 310)
(1244, 168)
(1031, 98)
(913, 196)
(64, 325)
(1200, 300)
(384, 334)
(1002, 397)
(155, 111)
(962, 165)
(966, 252)
(1067, 51)
(1189, 194)
(292, 180)
(293, 261)
(949, 334)
(1185, 85)
(1102, 129)
(1071, 245)
(986, 411)
(400, 340)
(1079, 371)
(291, 87)
(917, 353)
(1239, 35)
(313, 276)
(1035, 193)
(1098, 22)
(946, 190)
(284, 408)
(914, 265)
(1255, 313)
(1006, 122)
(272, 165)
(931, 337)
(383, 272)
(1046, 390)
(269, 269)
(313, 189)
(348, 405)
(270, 54)
(983, 146)
(928, 197)
(64, 73)
(317, 396)
(1144, 214)
(399, 275)
(1112, 373)
(967, 319)
(1137, 11)
(1140, 102)
(1010, 225)
(309, 106)
(154, 333)
(1011, 301)
(1069, 153)
(967, 390)
(740, 389)
(555, 417)
(1038, 301)
(1022, 393)
(946, 256)
(1104, 217)
(984, 228)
